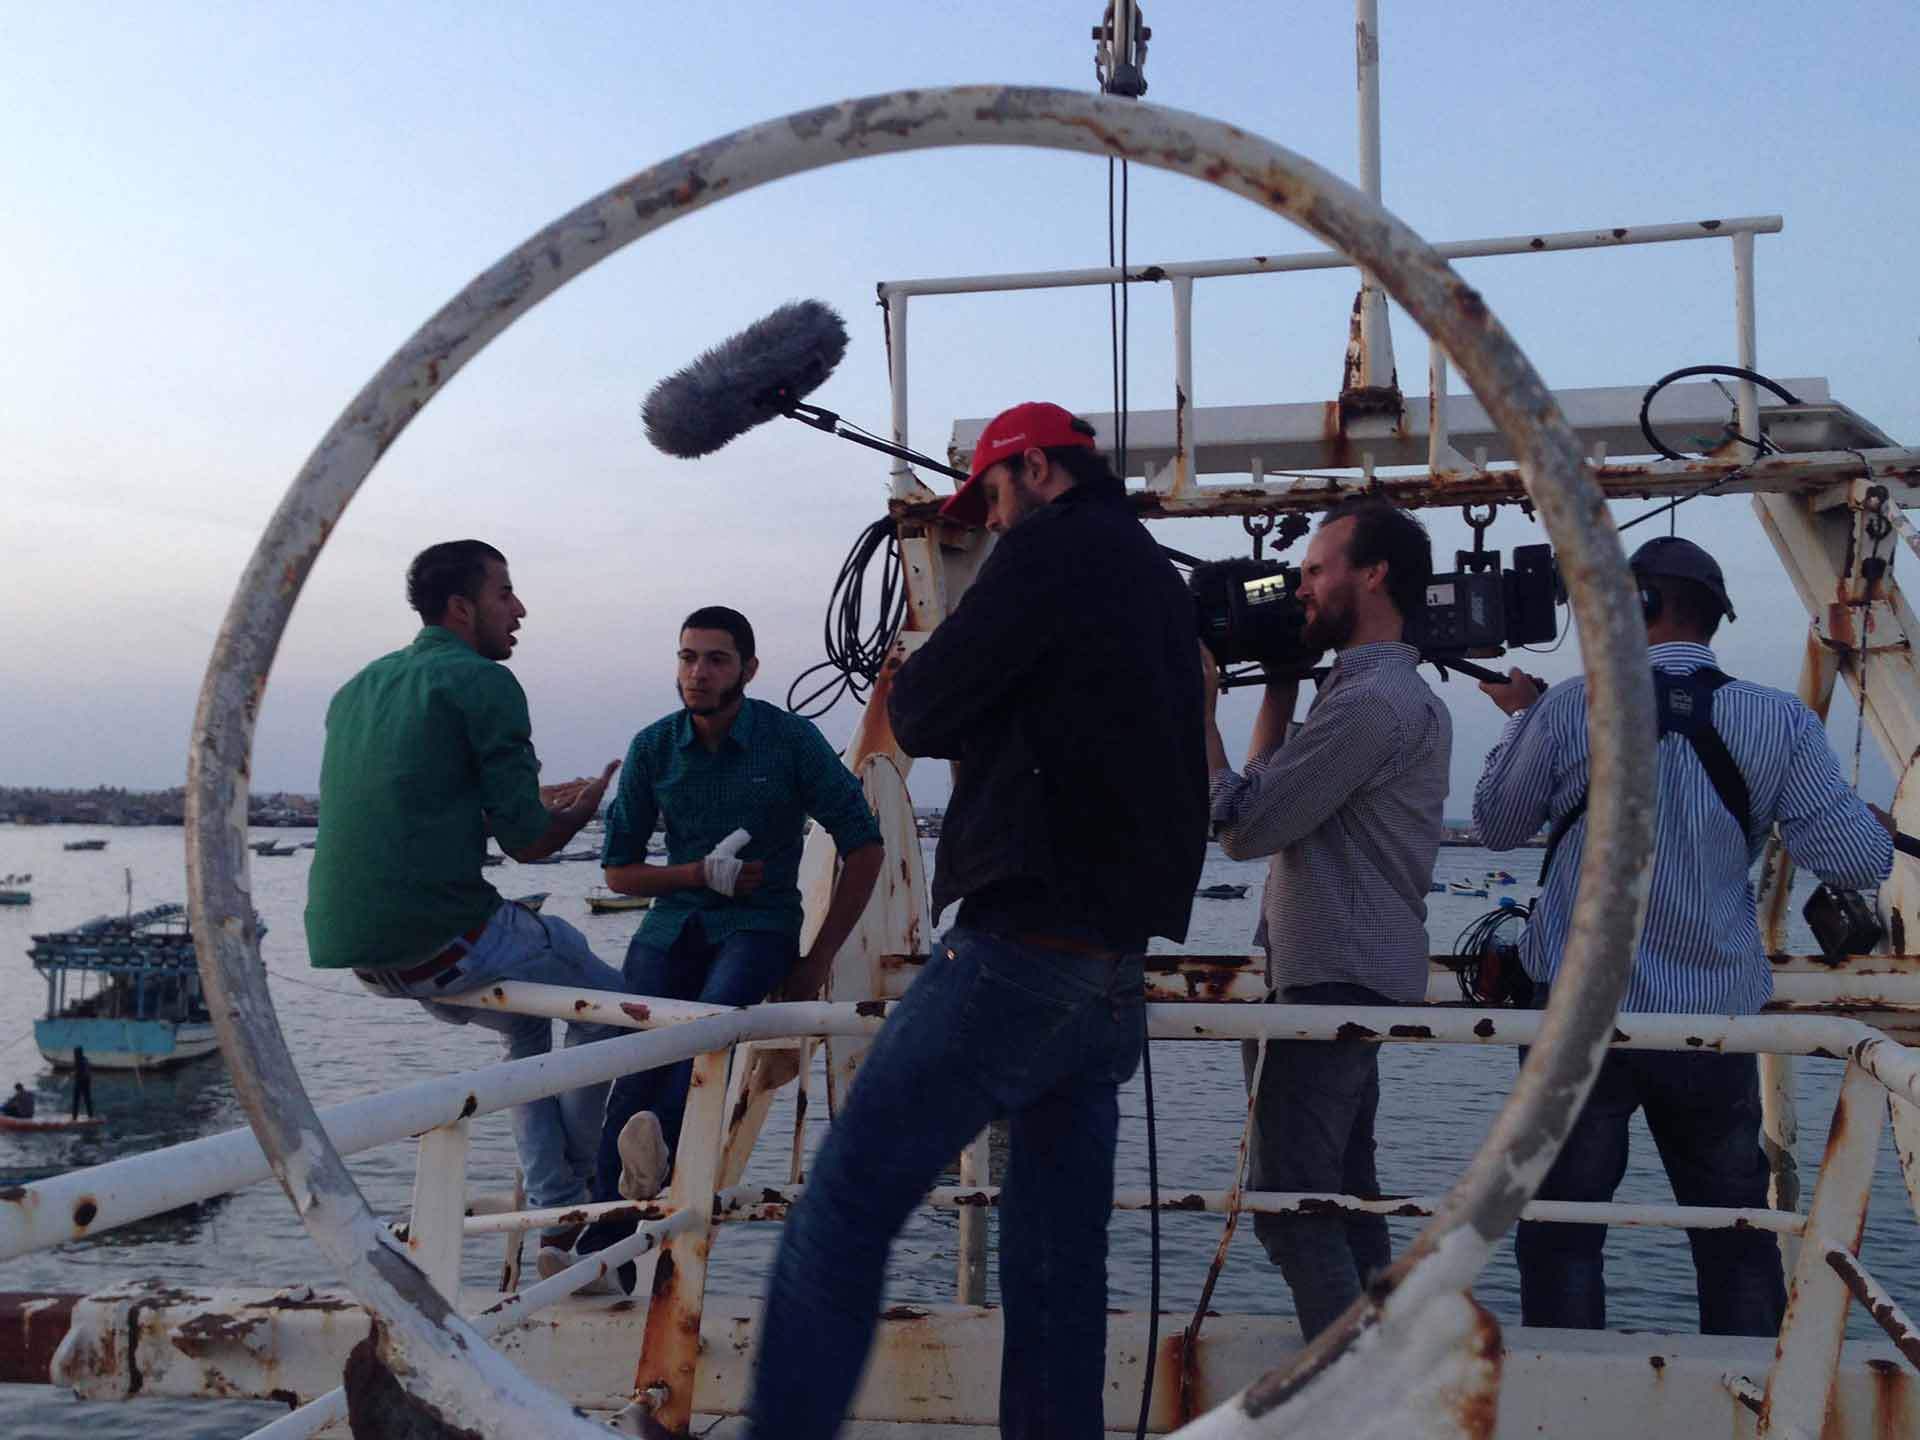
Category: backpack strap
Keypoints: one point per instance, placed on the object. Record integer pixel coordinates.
(1684, 704)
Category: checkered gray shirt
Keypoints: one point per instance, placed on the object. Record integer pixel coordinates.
(1350, 808)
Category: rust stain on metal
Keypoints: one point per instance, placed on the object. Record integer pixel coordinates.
(471, 1106)
(1894, 1415)
(1350, 1031)
(1177, 1377)
(903, 1312)
(1411, 1032)
(1185, 1202)
(1659, 1364)
(31, 1329)
(15, 1194)
(636, 1011)
(85, 1212)
(209, 1332)
(871, 1009)
(975, 1199)
(1483, 1028)
(1478, 1409)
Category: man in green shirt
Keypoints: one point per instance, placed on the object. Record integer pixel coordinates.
(428, 751)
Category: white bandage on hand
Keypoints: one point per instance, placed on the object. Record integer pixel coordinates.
(722, 869)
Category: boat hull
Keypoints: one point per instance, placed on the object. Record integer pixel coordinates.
(48, 1122)
(125, 1044)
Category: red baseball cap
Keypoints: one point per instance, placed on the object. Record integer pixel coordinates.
(1036, 425)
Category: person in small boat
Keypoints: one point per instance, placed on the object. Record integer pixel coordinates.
(82, 1084)
(735, 780)
(19, 1104)
(1761, 760)
(1349, 804)
(1066, 685)
(428, 751)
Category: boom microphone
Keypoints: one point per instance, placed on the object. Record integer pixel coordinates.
(744, 381)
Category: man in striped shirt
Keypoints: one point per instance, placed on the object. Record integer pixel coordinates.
(1699, 952)
(1349, 806)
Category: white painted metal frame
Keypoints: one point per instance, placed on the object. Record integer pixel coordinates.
(1179, 475)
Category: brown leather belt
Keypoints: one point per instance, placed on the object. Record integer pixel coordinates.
(1073, 945)
(455, 952)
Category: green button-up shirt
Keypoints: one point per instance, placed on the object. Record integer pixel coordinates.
(772, 772)
(427, 749)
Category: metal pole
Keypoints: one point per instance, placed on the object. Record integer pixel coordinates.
(1748, 394)
(903, 486)
(1181, 471)
(1376, 338)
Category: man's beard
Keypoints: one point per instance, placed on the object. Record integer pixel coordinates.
(732, 693)
(1330, 628)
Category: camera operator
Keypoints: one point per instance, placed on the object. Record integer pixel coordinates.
(1734, 760)
(1349, 805)
(1066, 686)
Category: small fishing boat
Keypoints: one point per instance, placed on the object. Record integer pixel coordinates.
(605, 902)
(1467, 888)
(1221, 892)
(84, 845)
(126, 989)
(48, 1122)
(532, 902)
(270, 847)
(13, 890)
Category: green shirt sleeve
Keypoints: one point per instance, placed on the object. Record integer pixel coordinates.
(501, 737)
(631, 817)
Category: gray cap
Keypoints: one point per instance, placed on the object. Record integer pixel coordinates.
(1679, 559)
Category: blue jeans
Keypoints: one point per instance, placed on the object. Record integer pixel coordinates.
(554, 1135)
(743, 969)
(1704, 1112)
(992, 1028)
(1313, 1131)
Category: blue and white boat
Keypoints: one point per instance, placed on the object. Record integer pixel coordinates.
(126, 989)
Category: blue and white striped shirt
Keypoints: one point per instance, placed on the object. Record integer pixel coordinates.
(1700, 950)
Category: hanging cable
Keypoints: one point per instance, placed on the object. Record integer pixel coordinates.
(1759, 444)
(855, 653)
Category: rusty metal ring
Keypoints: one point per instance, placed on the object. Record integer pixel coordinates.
(1491, 507)
(437, 1355)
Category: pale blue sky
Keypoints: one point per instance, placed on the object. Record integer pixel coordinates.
(217, 220)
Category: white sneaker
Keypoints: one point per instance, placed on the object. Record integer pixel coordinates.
(552, 1260)
(644, 1161)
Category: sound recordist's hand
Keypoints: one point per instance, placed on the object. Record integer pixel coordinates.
(1515, 693)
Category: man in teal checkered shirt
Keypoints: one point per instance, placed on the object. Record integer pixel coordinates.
(734, 781)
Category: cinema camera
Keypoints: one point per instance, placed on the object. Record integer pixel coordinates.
(1250, 610)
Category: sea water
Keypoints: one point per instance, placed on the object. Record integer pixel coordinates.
(1436, 1103)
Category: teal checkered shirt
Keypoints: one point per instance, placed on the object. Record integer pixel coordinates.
(773, 771)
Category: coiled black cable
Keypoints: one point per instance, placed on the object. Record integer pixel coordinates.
(853, 654)
(1470, 949)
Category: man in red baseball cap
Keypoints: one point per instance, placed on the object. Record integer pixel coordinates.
(1066, 683)
(1000, 500)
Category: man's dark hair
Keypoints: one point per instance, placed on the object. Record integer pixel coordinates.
(1087, 467)
(1385, 532)
(1687, 602)
(719, 617)
(440, 572)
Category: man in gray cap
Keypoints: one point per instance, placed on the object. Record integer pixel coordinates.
(1734, 760)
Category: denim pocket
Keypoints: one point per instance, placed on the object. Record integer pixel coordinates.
(1017, 1015)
